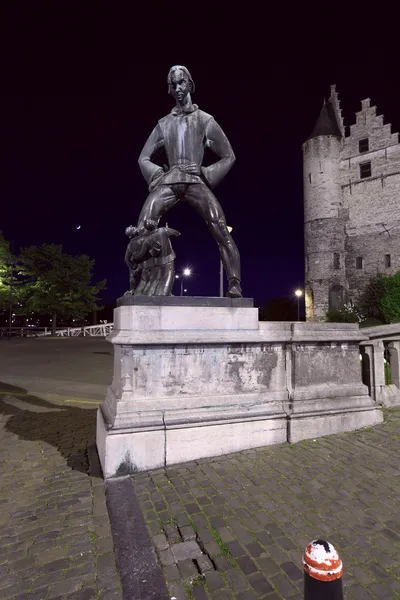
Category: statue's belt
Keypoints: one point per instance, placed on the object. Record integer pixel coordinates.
(157, 261)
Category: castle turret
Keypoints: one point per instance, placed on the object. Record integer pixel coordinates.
(324, 224)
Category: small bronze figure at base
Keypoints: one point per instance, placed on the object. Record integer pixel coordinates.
(150, 259)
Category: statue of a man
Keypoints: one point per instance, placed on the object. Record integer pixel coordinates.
(184, 134)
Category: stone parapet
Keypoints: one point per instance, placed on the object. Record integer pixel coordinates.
(198, 382)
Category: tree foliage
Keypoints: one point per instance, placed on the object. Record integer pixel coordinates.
(5, 271)
(370, 302)
(380, 300)
(390, 303)
(59, 285)
(342, 316)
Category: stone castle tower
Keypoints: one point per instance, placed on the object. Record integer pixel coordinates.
(351, 206)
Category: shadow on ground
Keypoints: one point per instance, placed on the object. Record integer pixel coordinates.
(71, 430)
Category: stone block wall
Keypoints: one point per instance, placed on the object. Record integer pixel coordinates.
(372, 248)
(368, 208)
(373, 203)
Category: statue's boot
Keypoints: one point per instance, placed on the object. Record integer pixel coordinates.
(234, 291)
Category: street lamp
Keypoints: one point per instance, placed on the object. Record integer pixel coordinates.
(185, 273)
(298, 294)
(221, 271)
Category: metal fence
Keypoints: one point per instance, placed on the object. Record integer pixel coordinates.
(84, 331)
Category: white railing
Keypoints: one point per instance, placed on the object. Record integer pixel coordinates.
(85, 331)
(101, 330)
(380, 355)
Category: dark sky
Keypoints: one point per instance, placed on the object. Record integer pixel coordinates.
(83, 84)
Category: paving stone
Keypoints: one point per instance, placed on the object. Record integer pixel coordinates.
(225, 595)
(382, 591)
(86, 594)
(361, 575)
(214, 581)
(199, 593)
(268, 567)
(217, 522)
(277, 554)
(235, 549)
(255, 549)
(283, 584)
(110, 595)
(274, 530)
(187, 533)
(204, 535)
(67, 586)
(187, 568)
(221, 563)
(260, 584)
(292, 571)
(166, 557)
(246, 596)
(226, 535)
(355, 592)
(378, 571)
(160, 542)
(286, 543)
(172, 533)
(265, 538)
(40, 594)
(185, 550)
(178, 591)
(192, 508)
(212, 548)
(172, 573)
(236, 580)
(103, 546)
(204, 564)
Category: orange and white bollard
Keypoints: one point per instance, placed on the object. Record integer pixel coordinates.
(323, 572)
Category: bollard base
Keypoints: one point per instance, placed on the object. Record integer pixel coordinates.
(322, 590)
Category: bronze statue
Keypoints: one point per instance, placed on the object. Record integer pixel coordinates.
(150, 259)
(184, 134)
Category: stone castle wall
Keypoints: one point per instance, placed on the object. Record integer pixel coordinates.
(369, 208)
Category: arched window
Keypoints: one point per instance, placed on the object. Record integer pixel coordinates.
(309, 304)
(336, 297)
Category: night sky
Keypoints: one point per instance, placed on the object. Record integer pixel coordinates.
(83, 84)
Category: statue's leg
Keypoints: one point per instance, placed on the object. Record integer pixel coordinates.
(201, 198)
(166, 281)
(157, 203)
(141, 288)
(163, 280)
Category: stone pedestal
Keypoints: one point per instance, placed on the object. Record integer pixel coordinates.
(200, 381)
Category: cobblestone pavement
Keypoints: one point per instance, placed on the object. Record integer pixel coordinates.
(55, 535)
(236, 526)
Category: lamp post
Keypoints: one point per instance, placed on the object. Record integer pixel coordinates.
(185, 273)
(221, 272)
(298, 294)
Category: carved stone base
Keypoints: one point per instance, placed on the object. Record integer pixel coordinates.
(193, 382)
(212, 301)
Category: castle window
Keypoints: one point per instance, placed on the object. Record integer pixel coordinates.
(365, 170)
(336, 260)
(337, 297)
(363, 145)
(307, 263)
(359, 262)
(388, 261)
